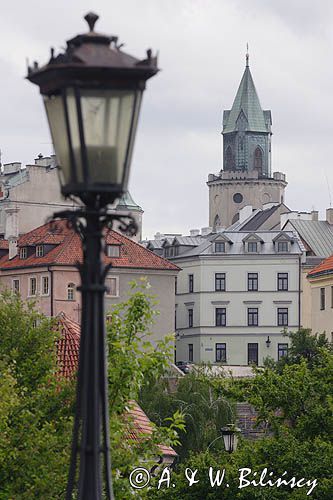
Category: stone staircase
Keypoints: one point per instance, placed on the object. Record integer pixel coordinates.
(246, 421)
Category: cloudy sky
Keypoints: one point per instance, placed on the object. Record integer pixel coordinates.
(202, 45)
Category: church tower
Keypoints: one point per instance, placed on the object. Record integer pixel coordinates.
(246, 177)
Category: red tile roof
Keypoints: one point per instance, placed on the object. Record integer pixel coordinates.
(325, 267)
(67, 250)
(4, 244)
(68, 347)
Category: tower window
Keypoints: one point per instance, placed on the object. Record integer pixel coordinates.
(258, 159)
(238, 198)
(228, 158)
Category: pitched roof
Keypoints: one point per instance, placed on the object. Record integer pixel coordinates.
(259, 218)
(317, 235)
(67, 250)
(325, 267)
(68, 345)
(246, 101)
(4, 245)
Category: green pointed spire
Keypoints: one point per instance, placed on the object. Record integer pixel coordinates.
(246, 101)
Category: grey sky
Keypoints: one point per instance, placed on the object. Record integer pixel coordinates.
(201, 46)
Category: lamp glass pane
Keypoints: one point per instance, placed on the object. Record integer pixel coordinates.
(56, 117)
(77, 169)
(107, 119)
(227, 438)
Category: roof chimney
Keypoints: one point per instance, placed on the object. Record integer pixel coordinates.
(329, 215)
(314, 215)
(12, 246)
(194, 232)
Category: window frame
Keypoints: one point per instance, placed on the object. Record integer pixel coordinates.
(23, 253)
(218, 244)
(322, 298)
(71, 286)
(281, 281)
(252, 280)
(108, 251)
(281, 349)
(220, 316)
(190, 353)
(42, 278)
(107, 293)
(30, 294)
(282, 316)
(220, 282)
(252, 316)
(255, 346)
(222, 352)
(14, 290)
(190, 317)
(39, 250)
(282, 242)
(190, 283)
(252, 243)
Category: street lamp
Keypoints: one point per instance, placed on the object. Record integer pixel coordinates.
(268, 342)
(92, 94)
(230, 437)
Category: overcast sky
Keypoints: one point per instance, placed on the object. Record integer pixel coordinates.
(201, 45)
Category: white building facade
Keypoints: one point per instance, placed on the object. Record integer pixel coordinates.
(236, 294)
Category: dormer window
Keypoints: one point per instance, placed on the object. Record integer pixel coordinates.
(252, 247)
(219, 247)
(113, 250)
(282, 246)
(23, 253)
(39, 251)
(171, 251)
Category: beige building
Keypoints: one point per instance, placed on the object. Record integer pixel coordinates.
(320, 279)
(43, 269)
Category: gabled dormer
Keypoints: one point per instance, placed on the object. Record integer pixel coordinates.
(252, 243)
(221, 244)
(282, 242)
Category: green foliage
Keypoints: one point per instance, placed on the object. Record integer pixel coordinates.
(203, 406)
(36, 410)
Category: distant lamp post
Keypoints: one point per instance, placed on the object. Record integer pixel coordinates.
(92, 94)
(230, 435)
(268, 341)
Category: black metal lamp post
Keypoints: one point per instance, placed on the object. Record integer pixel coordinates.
(230, 437)
(92, 94)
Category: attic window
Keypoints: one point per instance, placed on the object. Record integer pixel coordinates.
(113, 250)
(39, 251)
(171, 251)
(219, 247)
(282, 246)
(252, 247)
(23, 253)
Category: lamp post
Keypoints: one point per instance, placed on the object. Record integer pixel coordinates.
(230, 437)
(92, 94)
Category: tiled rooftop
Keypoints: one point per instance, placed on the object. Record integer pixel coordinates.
(325, 267)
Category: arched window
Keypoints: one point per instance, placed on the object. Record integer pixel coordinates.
(229, 163)
(258, 158)
(70, 291)
(217, 221)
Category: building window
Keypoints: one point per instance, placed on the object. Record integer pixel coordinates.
(112, 287)
(220, 282)
(282, 281)
(175, 319)
(252, 316)
(228, 159)
(219, 247)
(176, 284)
(252, 282)
(190, 283)
(70, 291)
(252, 247)
(282, 351)
(190, 318)
(23, 253)
(190, 353)
(322, 299)
(221, 353)
(45, 285)
(16, 285)
(113, 250)
(32, 286)
(39, 251)
(252, 353)
(282, 316)
(282, 246)
(331, 296)
(220, 316)
(258, 158)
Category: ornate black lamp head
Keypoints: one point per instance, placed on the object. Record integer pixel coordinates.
(230, 435)
(92, 94)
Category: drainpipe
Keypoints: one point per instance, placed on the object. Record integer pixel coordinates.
(51, 289)
(299, 290)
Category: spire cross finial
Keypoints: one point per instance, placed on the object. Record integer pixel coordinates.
(247, 54)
